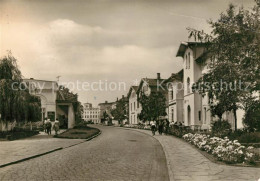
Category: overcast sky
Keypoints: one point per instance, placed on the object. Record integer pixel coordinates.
(102, 40)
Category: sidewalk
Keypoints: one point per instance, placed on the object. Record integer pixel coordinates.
(11, 151)
(187, 163)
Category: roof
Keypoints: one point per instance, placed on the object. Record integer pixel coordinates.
(184, 45)
(152, 83)
(174, 76)
(104, 103)
(135, 88)
(202, 57)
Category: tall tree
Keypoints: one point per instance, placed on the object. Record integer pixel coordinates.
(233, 46)
(16, 103)
(153, 106)
(120, 112)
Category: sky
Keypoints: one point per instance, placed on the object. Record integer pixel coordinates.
(99, 48)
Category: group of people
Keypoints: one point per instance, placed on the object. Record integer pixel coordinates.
(48, 126)
(161, 126)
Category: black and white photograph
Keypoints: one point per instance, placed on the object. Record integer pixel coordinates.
(134, 90)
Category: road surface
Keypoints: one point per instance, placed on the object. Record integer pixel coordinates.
(117, 154)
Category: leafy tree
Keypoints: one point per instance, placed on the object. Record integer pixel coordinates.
(233, 46)
(120, 112)
(251, 118)
(153, 106)
(16, 103)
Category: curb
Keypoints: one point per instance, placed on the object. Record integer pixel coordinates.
(51, 151)
(31, 157)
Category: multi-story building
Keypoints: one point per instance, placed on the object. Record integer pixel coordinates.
(146, 86)
(195, 106)
(134, 105)
(91, 113)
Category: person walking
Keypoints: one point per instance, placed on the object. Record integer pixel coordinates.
(160, 127)
(56, 126)
(48, 126)
(166, 126)
(153, 127)
(44, 125)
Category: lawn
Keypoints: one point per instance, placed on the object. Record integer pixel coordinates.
(79, 133)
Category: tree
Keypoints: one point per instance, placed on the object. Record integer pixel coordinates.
(16, 103)
(153, 106)
(251, 118)
(233, 46)
(120, 112)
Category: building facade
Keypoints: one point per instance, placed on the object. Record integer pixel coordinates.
(134, 105)
(175, 97)
(195, 106)
(53, 103)
(91, 113)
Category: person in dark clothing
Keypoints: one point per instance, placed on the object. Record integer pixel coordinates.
(166, 126)
(160, 127)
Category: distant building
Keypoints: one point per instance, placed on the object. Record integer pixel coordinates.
(105, 107)
(90, 113)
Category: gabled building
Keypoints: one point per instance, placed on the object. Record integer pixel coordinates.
(146, 86)
(196, 62)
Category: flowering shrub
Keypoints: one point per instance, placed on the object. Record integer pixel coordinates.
(224, 149)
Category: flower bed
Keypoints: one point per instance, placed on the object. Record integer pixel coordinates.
(223, 149)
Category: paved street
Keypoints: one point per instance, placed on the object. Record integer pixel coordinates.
(116, 154)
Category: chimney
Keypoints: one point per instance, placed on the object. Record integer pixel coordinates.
(117, 99)
(105, 101)
(123, 96)
(158, 76)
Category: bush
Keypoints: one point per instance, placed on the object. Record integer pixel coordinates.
(221, 128)
(252, 116)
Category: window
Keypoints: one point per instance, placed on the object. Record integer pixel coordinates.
(188, 85)
(188, 61)
(199, 115)
(134, 105)
(173, 97)
(205, 115)
(131, 106)
(173, 115)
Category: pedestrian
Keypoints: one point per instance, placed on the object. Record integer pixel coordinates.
(166, 126)
(48, 126)
(56, 126)
(160, 127)
(44, 125)
(153, 127)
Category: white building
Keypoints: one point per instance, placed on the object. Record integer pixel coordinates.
(53, 103)
(195, 106)
(134, 105)
(91, 113)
